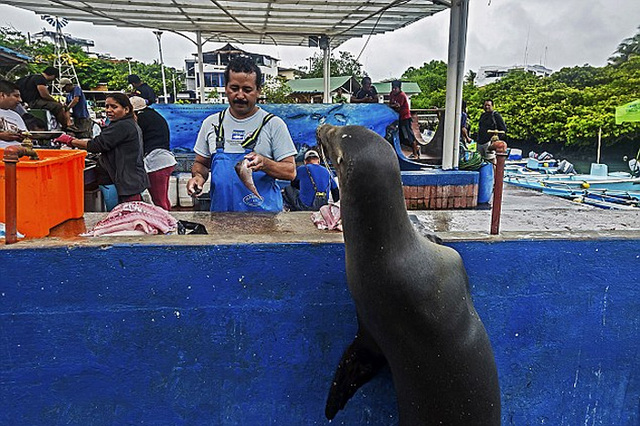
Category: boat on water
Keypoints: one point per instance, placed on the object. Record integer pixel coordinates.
(615, 190)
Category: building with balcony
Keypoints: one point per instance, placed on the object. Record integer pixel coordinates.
(215, 62)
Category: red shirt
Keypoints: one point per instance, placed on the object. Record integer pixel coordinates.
(401, 99)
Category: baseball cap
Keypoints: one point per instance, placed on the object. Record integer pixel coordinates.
(311, 153)
(65, 81)
(138, 103)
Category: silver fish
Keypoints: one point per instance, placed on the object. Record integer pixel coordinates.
(246, 176)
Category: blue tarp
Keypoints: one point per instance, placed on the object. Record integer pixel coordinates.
(302, 119)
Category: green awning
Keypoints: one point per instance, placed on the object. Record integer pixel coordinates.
(408, 87)
(628, 112)
(316, 85)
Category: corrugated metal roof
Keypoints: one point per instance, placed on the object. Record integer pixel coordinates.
(11, 58)
(316, 85)
(280, 22)
(408, 87)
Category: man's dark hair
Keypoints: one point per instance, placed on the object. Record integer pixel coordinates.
(124, 102)
(51, 71)
(133, 78)
(487, 100)
(7, 87)
(365, 80)
(396, 83)
(245, 65)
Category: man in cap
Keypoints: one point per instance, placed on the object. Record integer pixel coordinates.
(141, 89)
(34, 91)
(310, 189)
(159, 161)
(77, 104)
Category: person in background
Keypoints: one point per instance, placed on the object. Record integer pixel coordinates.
(400, 103)
(159, 161)
(34, 91)
(464, 125)
(77, 104)
(340, 98)
(310, 189)
(367, 94)
(142, 89)
(11, 124)
(120, 145)
(489, 120)
(244, 131)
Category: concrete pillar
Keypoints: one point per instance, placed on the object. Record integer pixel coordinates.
(200, 79)
(326, 74)
(455, 78)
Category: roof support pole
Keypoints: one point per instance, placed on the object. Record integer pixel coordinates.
(462, 54)
(455, 75)
(326, 73)
(200, 79)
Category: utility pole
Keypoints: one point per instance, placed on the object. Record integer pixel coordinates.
(129, 58)
(164, 80)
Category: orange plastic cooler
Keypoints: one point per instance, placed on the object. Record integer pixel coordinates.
(50, 190)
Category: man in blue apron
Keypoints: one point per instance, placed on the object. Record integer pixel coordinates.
(243, 131)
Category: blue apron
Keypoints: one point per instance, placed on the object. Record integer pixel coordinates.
(229, 194)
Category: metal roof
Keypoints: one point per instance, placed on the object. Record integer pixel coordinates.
(408, 87)
(280, 22)
(9, 57)
(316, 85)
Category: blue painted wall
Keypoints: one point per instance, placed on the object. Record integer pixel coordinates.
(251, 334)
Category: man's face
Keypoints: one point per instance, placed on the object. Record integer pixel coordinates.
(49, 77)
(11, 100)
(366, 84)
(243, 93)
(395, 90)
(488, 106)
(68, 88)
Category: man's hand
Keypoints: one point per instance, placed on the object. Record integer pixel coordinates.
(11, 136)
(284, 169)
(195, 185)
(255, 161)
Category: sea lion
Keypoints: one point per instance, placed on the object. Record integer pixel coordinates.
(411, 295)
(246, 176)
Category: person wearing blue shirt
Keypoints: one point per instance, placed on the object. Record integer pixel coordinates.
(310, 189)
(77, 103)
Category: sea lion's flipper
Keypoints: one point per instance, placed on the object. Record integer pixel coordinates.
(360, 363)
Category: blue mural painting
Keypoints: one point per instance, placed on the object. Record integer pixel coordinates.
(250, 334)
(302, 119)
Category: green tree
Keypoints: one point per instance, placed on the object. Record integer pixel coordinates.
(432, 79)
(346, 64)
(628, 48)
(90, 70)
(276, 90)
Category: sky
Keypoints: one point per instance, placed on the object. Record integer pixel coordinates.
(554, 33)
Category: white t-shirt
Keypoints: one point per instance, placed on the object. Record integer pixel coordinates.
(10, 121)
(274, 140)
